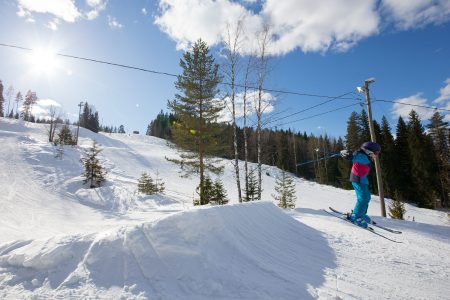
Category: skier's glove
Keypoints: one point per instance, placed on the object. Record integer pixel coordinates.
(346, 154)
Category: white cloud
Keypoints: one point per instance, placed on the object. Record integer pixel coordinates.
(98, 6)
(320, 25)
(444, 93)
(267, 104)
(207, 19)
(62, 9)
(416, 13)
(42, 108)
(91, 15)
(53, 25)
(66, 10)
(310, 25)
(113, 23)
(144, 11)
(415, 102)
(444, 99)
(95, 3)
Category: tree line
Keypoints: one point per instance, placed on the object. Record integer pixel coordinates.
(415, 163)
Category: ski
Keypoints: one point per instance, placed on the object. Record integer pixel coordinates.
(370, 229)
(371, 223)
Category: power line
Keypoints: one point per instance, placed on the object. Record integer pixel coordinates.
(316, 115)
(170, 74)
(97, 61)
(309, 108)
(331, 98)
(417, 105)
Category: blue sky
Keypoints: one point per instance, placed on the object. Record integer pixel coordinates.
(323, 48)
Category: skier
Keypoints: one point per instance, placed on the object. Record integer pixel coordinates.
(358, 176)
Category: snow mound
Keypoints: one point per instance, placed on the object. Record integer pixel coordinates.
(242, 251)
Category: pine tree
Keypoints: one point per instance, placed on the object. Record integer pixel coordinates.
(94, 173)
(344, 167)
(121, 129)
(2, 99)
(219, 193)
(352, 139)
(285, 187)
(84, 118)
(439, 133)
(387, 158)
(65, 136)
(146, 184)
(9, 94)
(422, 159)
(30, 100)
(19, 98)
(161, 126)
(207, 192)
(364, 127)
(93, 122)
(197, 110)
(251, 190)
(403, 178)
(159, 184)
(397, 208)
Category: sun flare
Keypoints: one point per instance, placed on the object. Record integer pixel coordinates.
(43, 61)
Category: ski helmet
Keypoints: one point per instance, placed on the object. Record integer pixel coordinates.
(371, 146)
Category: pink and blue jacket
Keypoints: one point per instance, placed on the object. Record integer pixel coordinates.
(360, 167)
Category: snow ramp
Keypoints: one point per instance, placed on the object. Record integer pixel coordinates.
(242, 251)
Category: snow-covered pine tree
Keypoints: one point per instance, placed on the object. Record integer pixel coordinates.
(94, 173)
(285, 187)
(219, 193)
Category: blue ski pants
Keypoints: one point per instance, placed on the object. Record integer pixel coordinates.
(362, 199)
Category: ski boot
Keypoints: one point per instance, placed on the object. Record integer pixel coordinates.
(361, 222)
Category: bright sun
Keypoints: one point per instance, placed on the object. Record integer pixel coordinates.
(43, 61)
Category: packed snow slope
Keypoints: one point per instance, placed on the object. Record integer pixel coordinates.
(60, 239)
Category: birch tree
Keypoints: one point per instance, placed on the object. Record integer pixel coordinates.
(231, 68)
(263, 40)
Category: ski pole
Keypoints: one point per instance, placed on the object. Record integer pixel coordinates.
(315, 160)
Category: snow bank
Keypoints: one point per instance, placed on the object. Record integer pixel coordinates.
(246, 251)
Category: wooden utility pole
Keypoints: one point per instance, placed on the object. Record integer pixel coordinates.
(373, 138)
(78, 128)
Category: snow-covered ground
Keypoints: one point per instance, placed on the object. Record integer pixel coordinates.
(59, 239)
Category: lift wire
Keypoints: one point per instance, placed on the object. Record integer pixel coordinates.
(308, 108)
(316, 115)
(169, 74)
(416, 105)
(237, 85)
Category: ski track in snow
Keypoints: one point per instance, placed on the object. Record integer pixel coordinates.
(61, 240)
